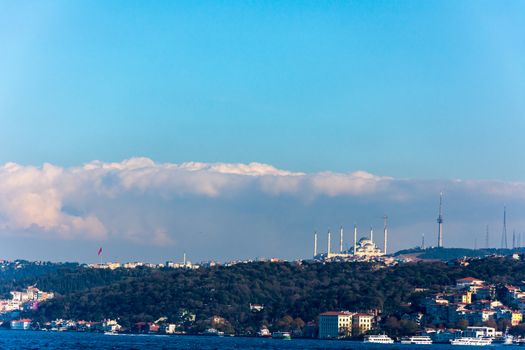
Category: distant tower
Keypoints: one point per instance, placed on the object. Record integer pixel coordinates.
(184, 258)
(423, 241)
(315, 244)
(355, 238)
(504, 233)
(341, 239)
(440, 221)
(371, 234)
(513, 239)
(487, 238)
(328, 255)
(385, 232)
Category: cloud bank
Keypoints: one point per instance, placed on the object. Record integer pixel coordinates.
(243, 209)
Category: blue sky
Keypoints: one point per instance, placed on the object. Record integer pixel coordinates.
(425, 90)
(430, 89)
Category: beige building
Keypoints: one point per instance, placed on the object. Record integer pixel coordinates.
(334, 324)
(362, 323)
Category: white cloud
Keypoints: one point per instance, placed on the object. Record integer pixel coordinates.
(140, 200)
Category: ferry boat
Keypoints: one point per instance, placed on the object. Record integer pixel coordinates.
(380, 339)
(281, 335)
(213, 332)
(471, 341)
(417, 339)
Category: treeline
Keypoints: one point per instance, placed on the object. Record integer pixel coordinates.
(447, 254)
(290, 292)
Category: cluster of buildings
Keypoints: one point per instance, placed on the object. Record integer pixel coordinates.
(137, 264)
(341, 324)
(474, 301)
(185, 264)
(160, 326)
(26, 300)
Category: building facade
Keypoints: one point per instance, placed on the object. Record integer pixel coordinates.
(335, 324)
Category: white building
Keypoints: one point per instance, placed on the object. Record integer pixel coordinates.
(469, 282)
(23, 324)
(334, 324)
(477, 332)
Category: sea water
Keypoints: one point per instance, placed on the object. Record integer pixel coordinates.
(30, 340)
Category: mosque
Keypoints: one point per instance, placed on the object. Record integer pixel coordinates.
(365, 248)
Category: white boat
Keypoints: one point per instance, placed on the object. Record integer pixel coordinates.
(417, 339)
(471, 341)
(379, 339)
(282, 335)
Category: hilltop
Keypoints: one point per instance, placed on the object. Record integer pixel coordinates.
(447, 254)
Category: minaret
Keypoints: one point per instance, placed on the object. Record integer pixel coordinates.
(371, 234)
(385, 233)
(355, 238)
(423, 241)
(315, 244)
(341, 240)
(328, 252)
(440, 221)
(184, 258)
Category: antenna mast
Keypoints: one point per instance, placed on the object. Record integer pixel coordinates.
(440, 221)
(504, 233)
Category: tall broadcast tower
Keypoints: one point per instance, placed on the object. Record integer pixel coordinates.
(440, 221)
(504, 233)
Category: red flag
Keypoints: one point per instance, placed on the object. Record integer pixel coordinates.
(99, 251)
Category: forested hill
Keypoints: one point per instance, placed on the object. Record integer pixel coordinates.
(299, 291)
(446, 254)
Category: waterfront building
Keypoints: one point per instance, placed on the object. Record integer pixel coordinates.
(334, 324)
(362, 323)
(168, 328)
(22, 324)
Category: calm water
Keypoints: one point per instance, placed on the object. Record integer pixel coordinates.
(28, 340)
